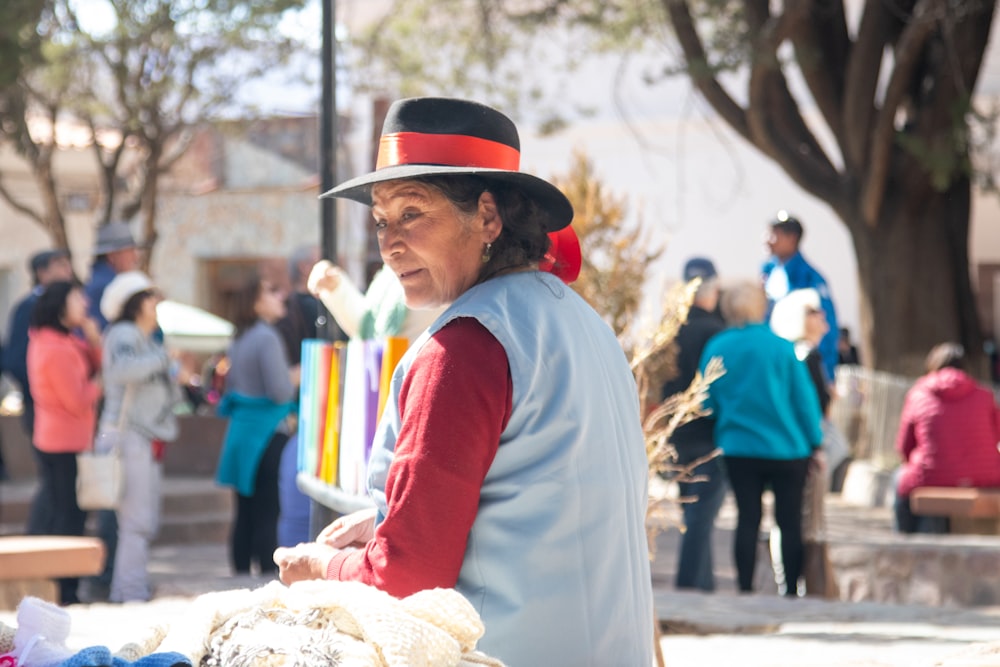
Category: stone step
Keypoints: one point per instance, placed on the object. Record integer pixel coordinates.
(194, 528)
(194, 510)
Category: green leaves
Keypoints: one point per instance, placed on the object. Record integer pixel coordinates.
(19, 43)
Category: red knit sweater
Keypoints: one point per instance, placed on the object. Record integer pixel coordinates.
(455, 402)
(948, 433)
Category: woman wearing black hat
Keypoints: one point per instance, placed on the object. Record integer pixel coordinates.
(509, 462)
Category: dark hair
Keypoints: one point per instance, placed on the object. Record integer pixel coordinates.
(133, 305)
(523, 239)
(50, 308)
(243, 313)
(303, 253)
(787, 223)
(42, 260)
(945, 355)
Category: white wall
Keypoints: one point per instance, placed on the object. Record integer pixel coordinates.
(702, 190)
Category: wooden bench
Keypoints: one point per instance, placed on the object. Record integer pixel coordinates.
(969, 510)
(30, 564)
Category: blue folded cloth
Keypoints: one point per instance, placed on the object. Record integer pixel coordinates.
(100, 656)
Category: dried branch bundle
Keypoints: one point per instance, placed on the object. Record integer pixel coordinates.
(653, 364)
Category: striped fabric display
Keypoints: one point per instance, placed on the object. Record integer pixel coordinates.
(343, 393)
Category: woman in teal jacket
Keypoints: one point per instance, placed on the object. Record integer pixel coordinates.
(767, 423)
(260, 388)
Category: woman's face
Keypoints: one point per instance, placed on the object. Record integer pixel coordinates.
(434, 250)
(76, 308)
(816, 325)
(270, 303)
(145, 319)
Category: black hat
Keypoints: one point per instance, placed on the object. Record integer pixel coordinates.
(40, 261)
(787, 223)
(699, 267)
(426, 136)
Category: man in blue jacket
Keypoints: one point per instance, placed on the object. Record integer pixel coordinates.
(788, 270)
(46, 267)
(115, 251)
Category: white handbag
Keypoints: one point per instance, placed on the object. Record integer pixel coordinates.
(100, 476)
(99, 480)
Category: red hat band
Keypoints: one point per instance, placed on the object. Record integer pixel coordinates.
(454, 150)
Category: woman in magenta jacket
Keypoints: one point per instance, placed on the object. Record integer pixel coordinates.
(62, 369)
(948, 435)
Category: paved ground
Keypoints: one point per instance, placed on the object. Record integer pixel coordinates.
(764, 630)
(722, 629)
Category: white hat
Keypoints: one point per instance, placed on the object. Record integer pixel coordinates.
(788, 318)
(122, 288)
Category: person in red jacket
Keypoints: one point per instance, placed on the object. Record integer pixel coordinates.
(62, 369)
(948, 435)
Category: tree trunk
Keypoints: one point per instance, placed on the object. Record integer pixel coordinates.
(149, 202)
(913, 268)
(52, 218)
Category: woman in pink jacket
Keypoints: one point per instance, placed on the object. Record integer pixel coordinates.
(948, 435)
(62, 369)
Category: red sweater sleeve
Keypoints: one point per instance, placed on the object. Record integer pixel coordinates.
(454, 404)
(906, 437)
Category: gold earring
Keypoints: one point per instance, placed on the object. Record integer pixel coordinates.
(486, 252)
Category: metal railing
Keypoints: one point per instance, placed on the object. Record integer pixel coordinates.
(867, 411)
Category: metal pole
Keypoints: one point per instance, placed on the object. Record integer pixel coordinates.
(328, 133)
(319, 514)
(328, 150)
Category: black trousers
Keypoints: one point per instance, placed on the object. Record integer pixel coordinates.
(40, 512)
(54, 509)
(255, 526)
(748, 478)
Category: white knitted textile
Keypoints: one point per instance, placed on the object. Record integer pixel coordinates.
(6, 638)
(329, 623)
(134, 650)
(42, 630)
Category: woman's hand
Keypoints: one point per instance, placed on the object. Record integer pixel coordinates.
(354, 530)
(303, 561)
(91, 331)
(324, 277)
(817, 462)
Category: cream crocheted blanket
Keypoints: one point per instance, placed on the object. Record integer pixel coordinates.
(326, 623)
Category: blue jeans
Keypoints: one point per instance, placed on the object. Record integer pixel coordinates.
(908, 522)
(107, 530)
(694, 565)
(293, 516)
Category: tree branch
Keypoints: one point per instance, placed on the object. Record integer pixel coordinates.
(822, 49)
(177, 149)
(863, 68)
(775, 123)
(907, 56)
(108, 161)
(17, 205)
(700, 70)
(543, 14)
